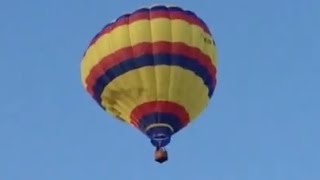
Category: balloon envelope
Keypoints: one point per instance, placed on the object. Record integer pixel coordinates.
(154, 68)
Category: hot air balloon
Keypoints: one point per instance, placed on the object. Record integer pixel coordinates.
(153, 68)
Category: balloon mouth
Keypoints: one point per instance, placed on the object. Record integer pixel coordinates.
(160, 137)
(160, 142)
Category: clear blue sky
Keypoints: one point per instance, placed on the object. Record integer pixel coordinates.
(262, 123)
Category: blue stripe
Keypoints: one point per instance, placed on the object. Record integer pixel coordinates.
(159, 117)
(152, 60)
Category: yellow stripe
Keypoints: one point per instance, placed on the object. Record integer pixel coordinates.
(160, 82)
(160, 29)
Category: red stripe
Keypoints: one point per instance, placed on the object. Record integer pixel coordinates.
(148, 48)
(153, 14)
(159, 106)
